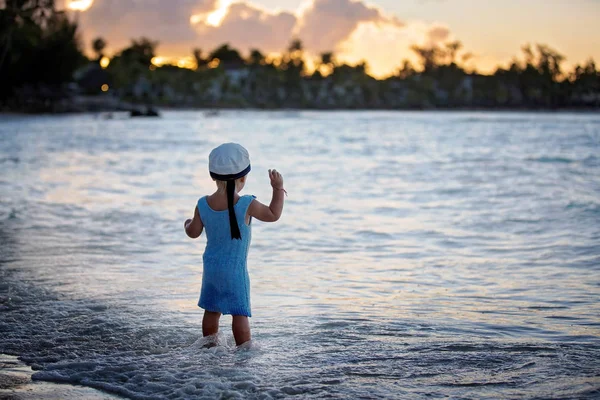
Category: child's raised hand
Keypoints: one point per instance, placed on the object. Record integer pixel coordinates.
(272, 212)
(276, 179)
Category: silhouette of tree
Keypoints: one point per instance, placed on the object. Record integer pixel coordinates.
(200, 61)
(528, 53)
(293, 59)
(406, 70)
(539, 76)
(293, 65)
(430, 56)
(452, 49)
(325, 64)
(585, 85)
(18, 14)
(98, 45)
(549, 62)
(295, 46)
(327, 58)
(362, 67)
(227, 55)
(39, 46)
(140, 51)
(256, 57)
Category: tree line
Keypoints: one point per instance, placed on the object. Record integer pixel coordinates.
(41, 56)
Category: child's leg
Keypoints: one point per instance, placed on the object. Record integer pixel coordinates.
(210, 323)
(241, 329)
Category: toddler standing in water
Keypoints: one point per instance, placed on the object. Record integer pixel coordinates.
(227, 218)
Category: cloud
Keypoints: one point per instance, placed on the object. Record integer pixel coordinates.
(353, 29)
(385, 46)
(119, 21)
(247, 26)
(438, 34)
(322, 24)
(325, 24)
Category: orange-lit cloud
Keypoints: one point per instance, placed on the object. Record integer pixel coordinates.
(385, 46)
(438, 34)
(212, 17)
(119, 21)
(324, 24)
(79, 5)
(247, 26)
(351, 28)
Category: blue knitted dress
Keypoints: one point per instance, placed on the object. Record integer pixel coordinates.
(225, 280)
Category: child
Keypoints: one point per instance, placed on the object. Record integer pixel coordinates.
(226, 216)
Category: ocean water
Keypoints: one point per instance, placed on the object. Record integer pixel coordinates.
(419, 255)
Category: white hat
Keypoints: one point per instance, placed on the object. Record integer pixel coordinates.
(229, 161)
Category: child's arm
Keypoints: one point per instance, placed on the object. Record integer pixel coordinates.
(194, 227)
(273, 211)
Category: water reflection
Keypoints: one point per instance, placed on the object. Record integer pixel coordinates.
(433, 242)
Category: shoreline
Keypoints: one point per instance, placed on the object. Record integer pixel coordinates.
(108, 103)
(16, 384)
(217, 110)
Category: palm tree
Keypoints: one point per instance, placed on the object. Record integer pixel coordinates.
(452, 50)
(256, 57)
(295, 45)
(98, 45)
(294, 59)
(327, 58)
(326, 64)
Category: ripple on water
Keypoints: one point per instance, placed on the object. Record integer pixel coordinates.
(419, 255)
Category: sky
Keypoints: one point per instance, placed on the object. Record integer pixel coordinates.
(379, 31)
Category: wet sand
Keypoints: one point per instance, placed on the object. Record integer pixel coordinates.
(16, 384)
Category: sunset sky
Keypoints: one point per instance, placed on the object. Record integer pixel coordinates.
(380, 31)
